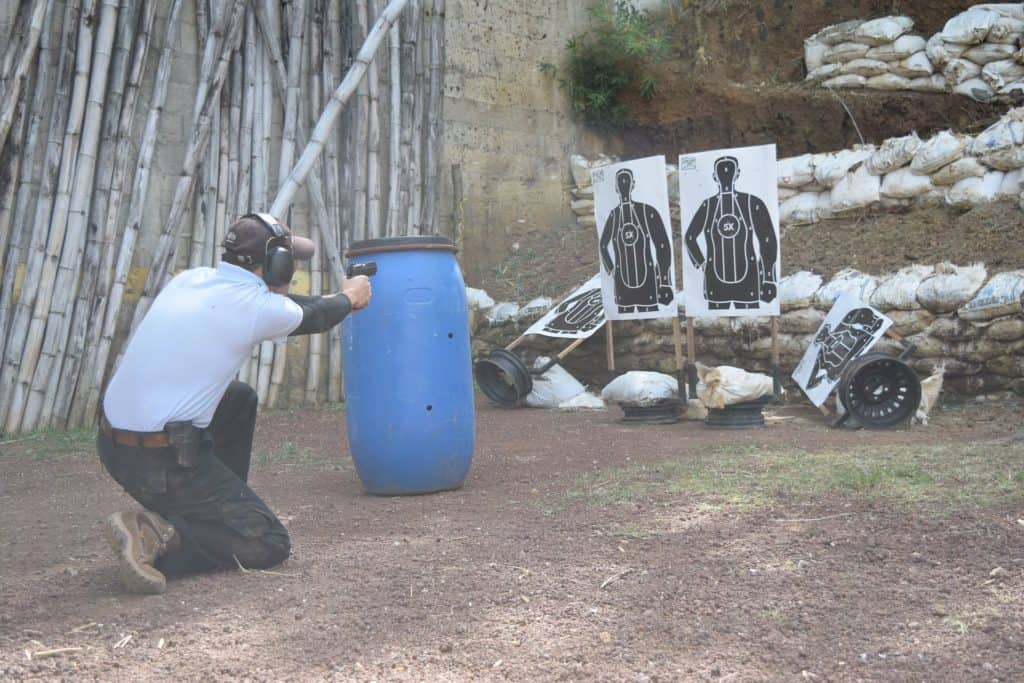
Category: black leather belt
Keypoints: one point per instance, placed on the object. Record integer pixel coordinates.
(127, 438)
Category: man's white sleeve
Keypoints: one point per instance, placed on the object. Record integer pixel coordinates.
(276, 319)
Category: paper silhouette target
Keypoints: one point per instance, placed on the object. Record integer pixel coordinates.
(577, 316)
(634, 233)
(730, 213)
(848, 331)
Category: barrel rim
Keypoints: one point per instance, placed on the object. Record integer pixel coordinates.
(409, 243)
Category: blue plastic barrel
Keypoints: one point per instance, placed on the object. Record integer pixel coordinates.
(408, 369)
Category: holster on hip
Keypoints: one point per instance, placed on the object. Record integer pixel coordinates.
(185, 438)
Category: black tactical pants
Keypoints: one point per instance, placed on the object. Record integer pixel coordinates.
(220, 520)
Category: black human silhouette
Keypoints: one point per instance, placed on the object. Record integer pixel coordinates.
(581, 313)
(635, 249)
(730, 221)
(838, 346)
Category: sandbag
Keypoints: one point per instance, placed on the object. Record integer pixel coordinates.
(1006, 30)
(554, 387)
(857, 190)
(906, 323)
(640, 388)
(899, 290)
(824, 210)
(586, 221)
(1013, 91)
(478, 299)
(798, 290)
(975, 191)
(888, 82)
(582, 207)
(726, 385)
(933, 83)
(795, 172)
(1011, 186)
(502, 313)
(865, 67)
(814, 53)
(917, 65)
(799, 210)
(846, 281)
(541, 304)
(959, 70)
(838, 33)
(1002, 295)
(583, 401)
(950, 174)
(953, 329)
(1001, 145)
(901, 48)
(950, 286)
(695, 410)
(831, 167)
(975, 88)
(941, 52)
(951, 366)
(581, 167)
(848, 81)
(1010, 328)
(715, 326)
(825, 72)
(999, 74)
(1007, 365)
(931, 387)
(941, 149)
(989, 52)
(905, 184)
(844, 52)
(1012, 10)
(970, 27)
(893, 154)
(584, 192)
(801, 322)
(785, 193)
(882, 30)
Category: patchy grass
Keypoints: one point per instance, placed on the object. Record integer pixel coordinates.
(51, 443)
(945, 476)
(290, 452)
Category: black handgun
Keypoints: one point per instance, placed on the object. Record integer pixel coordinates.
(368, 269)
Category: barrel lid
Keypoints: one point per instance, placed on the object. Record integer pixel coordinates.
(411, 243)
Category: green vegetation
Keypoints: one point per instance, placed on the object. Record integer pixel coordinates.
(943, 476)
(290, 452)
(611, 61)
(51, 443)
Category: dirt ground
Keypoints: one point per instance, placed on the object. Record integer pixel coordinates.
(579, 548)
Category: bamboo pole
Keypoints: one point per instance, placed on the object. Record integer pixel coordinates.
(410, 38)
(338, 99)
(233, 155)
(27, 49)
(13, 161)
(18, 29)
(338, 180)
(316, 341)
(394, 137)
(245, 134)
(419, 116)
(223, 189)
(373, 165)
(22, 316)
(331, 65)
(315, 59)
(57, 232)
(140, 188)
(266, 349)
(114, 107)
(435, 122)
(361, 127)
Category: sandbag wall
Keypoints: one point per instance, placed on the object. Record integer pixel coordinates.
(977, 54)
(960, 319)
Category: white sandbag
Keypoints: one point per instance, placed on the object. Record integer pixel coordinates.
(883, 30)
(1002, 295)
(583, 192)
(832, 167)
(799, 210)
(1011, 186)
(931, 388)
(933, 83)
(715, 326)
(950, 286)
(814, 53)
(695, 410)
(989, 52)
(838, 33)
(539, 305)
(581, 168)
(554, 387)
(976, 89)
(974, 191)
(1013, 91)
(1011, 10)
(896, 205)
(888, 82)
(898, 291)
(848, 81)
(502, 313)
(786, 192)
(1001, 73)
(893, 154)
(478, 299)
(935, 197)
(1007, 328)
(798, 290)
(582, 207)
(583, 401)
(586, 221)
(865, 67)
(901, 48)
(906, 323)
(795, 172)
(966, 167)
(846, 281)
(970, 27)
(726, 386)
(802, 321)
(941, 149)
(640, 388)
(857, 190)
(824, 210)
(825, 72)
(915, 66)
(1006, 30)
(941, 52)
(844, 52)
(905, 184)
(960, 70)
(1001, 145)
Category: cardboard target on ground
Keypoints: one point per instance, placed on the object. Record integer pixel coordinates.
(729, 210)
(577, 316)
(634, 231)
(849, 330)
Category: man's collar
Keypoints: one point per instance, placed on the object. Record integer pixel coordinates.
(233, 272)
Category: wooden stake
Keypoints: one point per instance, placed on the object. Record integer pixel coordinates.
(776, 381)
(609, 337)
(691, 357)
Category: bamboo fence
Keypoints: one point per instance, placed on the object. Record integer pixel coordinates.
(83, 95)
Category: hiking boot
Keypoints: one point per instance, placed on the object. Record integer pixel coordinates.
(138, 539)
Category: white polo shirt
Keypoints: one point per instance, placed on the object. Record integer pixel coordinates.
(191, 345)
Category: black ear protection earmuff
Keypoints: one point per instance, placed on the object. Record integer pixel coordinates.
(278, 261)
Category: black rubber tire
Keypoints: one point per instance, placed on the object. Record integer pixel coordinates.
(663, 412)
(504, 378)
(879, 391)
(746, 415)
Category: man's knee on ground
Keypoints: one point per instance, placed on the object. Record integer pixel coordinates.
(268, 550)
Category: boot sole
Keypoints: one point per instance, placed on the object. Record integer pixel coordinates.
(133, 575)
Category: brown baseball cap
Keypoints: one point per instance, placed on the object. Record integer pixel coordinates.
(246, 240)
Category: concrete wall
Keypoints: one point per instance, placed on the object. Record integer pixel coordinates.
(507, 124)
